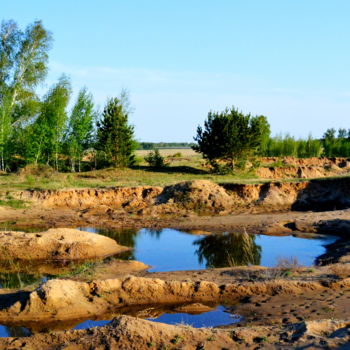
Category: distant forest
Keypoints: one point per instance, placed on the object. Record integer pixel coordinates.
(157, 145)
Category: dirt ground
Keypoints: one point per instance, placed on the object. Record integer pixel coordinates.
(283, 308)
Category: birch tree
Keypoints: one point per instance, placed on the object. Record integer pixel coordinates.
(80, 128)
(23, 65)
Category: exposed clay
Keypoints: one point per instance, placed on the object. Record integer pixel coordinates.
(254, 292)
(202, 196)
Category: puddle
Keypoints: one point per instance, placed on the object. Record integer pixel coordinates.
(172, 250)
(218, 316)
(214, 318)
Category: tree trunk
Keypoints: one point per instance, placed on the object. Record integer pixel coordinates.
(72, 165)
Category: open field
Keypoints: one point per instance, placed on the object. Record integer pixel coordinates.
(172, 152)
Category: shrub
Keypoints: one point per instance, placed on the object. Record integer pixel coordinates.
(155, 160)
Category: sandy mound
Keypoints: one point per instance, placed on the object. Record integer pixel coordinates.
(63, 300)
(56, 244)
(198, 195)
(130, 333)
(303, 168)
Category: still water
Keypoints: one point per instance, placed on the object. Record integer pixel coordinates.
(171, 250)
(214, 318)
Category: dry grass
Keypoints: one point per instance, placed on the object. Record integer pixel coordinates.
(340, 270)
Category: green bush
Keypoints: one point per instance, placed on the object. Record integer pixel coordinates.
(155, 160)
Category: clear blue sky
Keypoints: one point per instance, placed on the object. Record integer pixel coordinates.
(286, 59)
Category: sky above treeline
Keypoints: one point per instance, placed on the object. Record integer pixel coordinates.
(288, 60)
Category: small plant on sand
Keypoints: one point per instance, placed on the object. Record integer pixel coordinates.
(184, 325)
(289, 266)
(260, 340)
(177, 339)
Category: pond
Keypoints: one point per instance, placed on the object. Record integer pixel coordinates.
(172, 250)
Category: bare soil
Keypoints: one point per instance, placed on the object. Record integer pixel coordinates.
(287, 308)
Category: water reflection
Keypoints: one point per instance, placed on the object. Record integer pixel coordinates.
(170, 250)
(14, 332)
(18, 280)
(228, 249)
(125, 237)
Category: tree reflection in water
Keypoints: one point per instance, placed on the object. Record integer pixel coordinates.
(18, 279)
(125, 237)
(228, 249)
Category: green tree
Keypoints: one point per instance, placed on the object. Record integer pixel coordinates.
(23, 65)
(79, 135)
(115, 137)
(48, 129)
(230, 136)
(329, 142)
(155, 159)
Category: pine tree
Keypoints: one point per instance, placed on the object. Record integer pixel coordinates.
(115, 137)
(230, 136)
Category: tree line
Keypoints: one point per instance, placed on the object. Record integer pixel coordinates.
(332, 144)
(41, 130)
(157, 145)
(229, 138)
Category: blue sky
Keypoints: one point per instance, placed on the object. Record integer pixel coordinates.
(288, 60)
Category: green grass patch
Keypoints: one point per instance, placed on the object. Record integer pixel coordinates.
(13, 203)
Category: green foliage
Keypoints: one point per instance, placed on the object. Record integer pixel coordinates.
(281, 146)
(79, 135)
(155, 160)
(12, 203)
(336, 145)
(230, 249)
(23, 65)
(176, 155)
(49, 126)
(115, 137)
(231, 136)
